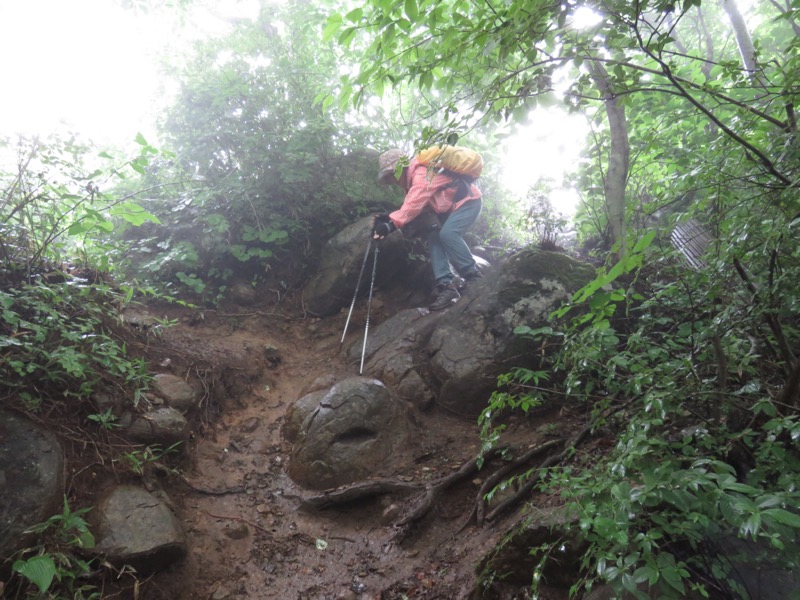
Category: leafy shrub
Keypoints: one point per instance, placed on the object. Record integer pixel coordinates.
(703, 452)
(54, 569)
(59, 342)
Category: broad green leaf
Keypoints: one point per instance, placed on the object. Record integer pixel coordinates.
(332, 27)
(752, 525)
(784, 517)
(354, 16)
(133, 214)
(6, 341)
(78, 227)
(346, 37)
(39, 570)
(644, 242)
(411, 10)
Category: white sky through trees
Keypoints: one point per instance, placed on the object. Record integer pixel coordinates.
(87, 66)
(91, 66)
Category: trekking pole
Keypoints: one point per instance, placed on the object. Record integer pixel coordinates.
(355, 294)
(369, 307)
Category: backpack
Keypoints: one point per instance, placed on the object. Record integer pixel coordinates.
(461, 164)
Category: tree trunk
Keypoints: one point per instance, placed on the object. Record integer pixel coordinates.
(743, 39)
(618, 159)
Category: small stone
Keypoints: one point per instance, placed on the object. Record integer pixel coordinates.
(175, 391)
(391, 512)
(250, 425)
(272, 354)
(221, 593)
(237, 532)
(133, 526)
(243, 294)
(163, 426)
(359, 587)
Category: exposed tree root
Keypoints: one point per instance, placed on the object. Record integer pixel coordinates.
(365, 489)
(428, 494)
(430, 491)
(525, 490)
(495, 478)
(435, 489)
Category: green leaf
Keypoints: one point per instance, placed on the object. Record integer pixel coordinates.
(77, 228)
(784, 517)
(672, 576)
(644, 242)
(133, 214)
(412, 12)
(138, 165)
(347, 36)
(752, 525)
(354, 16)
(332, 27)
(140, 140)
(6, 341)
(39, 570)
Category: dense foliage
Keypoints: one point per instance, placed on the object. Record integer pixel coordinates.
(57, 312)
(261, 173)
(62, 345)
(693, 370)
(668, 79)
(689, 367)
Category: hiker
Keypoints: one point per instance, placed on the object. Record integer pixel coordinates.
(429, 191)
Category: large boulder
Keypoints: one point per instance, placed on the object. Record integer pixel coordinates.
(134, 527)
(345, 434)
(334, 284)
(31, 479)
(459, 352)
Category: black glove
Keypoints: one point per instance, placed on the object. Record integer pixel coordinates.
(383, 228)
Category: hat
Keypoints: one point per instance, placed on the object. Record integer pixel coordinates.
(387, 163)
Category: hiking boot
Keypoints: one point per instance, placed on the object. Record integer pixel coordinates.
(446, 294)
(465, 280)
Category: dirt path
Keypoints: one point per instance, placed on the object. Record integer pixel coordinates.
(247, 536)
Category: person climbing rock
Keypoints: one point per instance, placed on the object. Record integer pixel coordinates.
(456, 204)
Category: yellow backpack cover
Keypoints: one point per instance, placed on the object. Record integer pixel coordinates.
(457, 159)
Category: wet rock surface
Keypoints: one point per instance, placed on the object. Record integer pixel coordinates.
(334, 284)
(31, 478)
(175, 392)
(162, 426)
(134, 527)
(458, 353)
(348, 433)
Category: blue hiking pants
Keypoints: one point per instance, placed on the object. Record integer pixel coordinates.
(447, 245)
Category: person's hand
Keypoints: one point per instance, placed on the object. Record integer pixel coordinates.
(383, 229)
(382, 226)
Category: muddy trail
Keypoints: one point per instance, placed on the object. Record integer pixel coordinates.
(249, 533)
